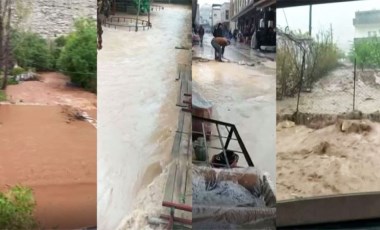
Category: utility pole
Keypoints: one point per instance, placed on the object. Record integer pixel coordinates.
(310, 19)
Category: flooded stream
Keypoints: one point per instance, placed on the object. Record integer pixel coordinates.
(138, 115)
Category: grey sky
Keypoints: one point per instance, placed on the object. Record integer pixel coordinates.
(201, 2)
(340, 15)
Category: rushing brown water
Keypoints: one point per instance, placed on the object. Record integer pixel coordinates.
(56, 159)
(138, 116)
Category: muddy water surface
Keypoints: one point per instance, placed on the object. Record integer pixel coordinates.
(56, 159)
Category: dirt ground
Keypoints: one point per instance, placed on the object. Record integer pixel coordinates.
(41, 147)
(326, 161)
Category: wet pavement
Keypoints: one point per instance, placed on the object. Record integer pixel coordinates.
(236, 52)
(138, 115)
(243, 95)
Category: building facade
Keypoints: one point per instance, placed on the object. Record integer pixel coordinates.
(247, 13)
(367, 24)
(216, 16)
(226, 16)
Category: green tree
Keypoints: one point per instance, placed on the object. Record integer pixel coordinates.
(31, 50)
(78, 57)
(144, 5)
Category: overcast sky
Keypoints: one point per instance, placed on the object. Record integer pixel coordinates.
(340, 15)
(201, 2)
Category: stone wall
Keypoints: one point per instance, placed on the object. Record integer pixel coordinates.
(52, 18)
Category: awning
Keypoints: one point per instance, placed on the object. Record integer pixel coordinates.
(253, 5)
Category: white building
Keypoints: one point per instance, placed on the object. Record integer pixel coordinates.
(226, 16)
(367, 23)
(216, 16)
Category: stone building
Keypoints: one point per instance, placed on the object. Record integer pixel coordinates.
(52, 18)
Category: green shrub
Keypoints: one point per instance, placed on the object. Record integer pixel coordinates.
(56, 48)
(11, 81)
(78, 57)
(16, 209)
(17, 71)
(367, 52)
(31, 50)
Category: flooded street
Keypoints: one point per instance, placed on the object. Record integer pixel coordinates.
(137, 101)
(242, 95)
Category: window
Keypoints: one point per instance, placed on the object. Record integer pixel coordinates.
(227, 11)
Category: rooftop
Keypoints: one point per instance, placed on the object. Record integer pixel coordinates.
(367, 17)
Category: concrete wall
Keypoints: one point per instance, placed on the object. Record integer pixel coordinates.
(361, 31)
(51, 18)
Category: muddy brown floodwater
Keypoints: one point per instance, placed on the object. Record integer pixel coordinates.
(57, 160)
(326, 161)
(43, 148)
(51, 89)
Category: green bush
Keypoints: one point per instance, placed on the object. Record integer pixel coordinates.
(16, 209)
(56, 48)
(17, 71)
(31, 50)
(11, 81)
(367, 52)
(78, 57)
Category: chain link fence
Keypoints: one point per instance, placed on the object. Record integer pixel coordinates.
(312, 77)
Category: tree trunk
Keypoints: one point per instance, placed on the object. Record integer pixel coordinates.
(7, 48)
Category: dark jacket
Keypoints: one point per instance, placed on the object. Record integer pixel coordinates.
(218, 32)
(201, 31)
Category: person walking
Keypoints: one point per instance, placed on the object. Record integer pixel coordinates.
(201, 32)
(219, 43)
